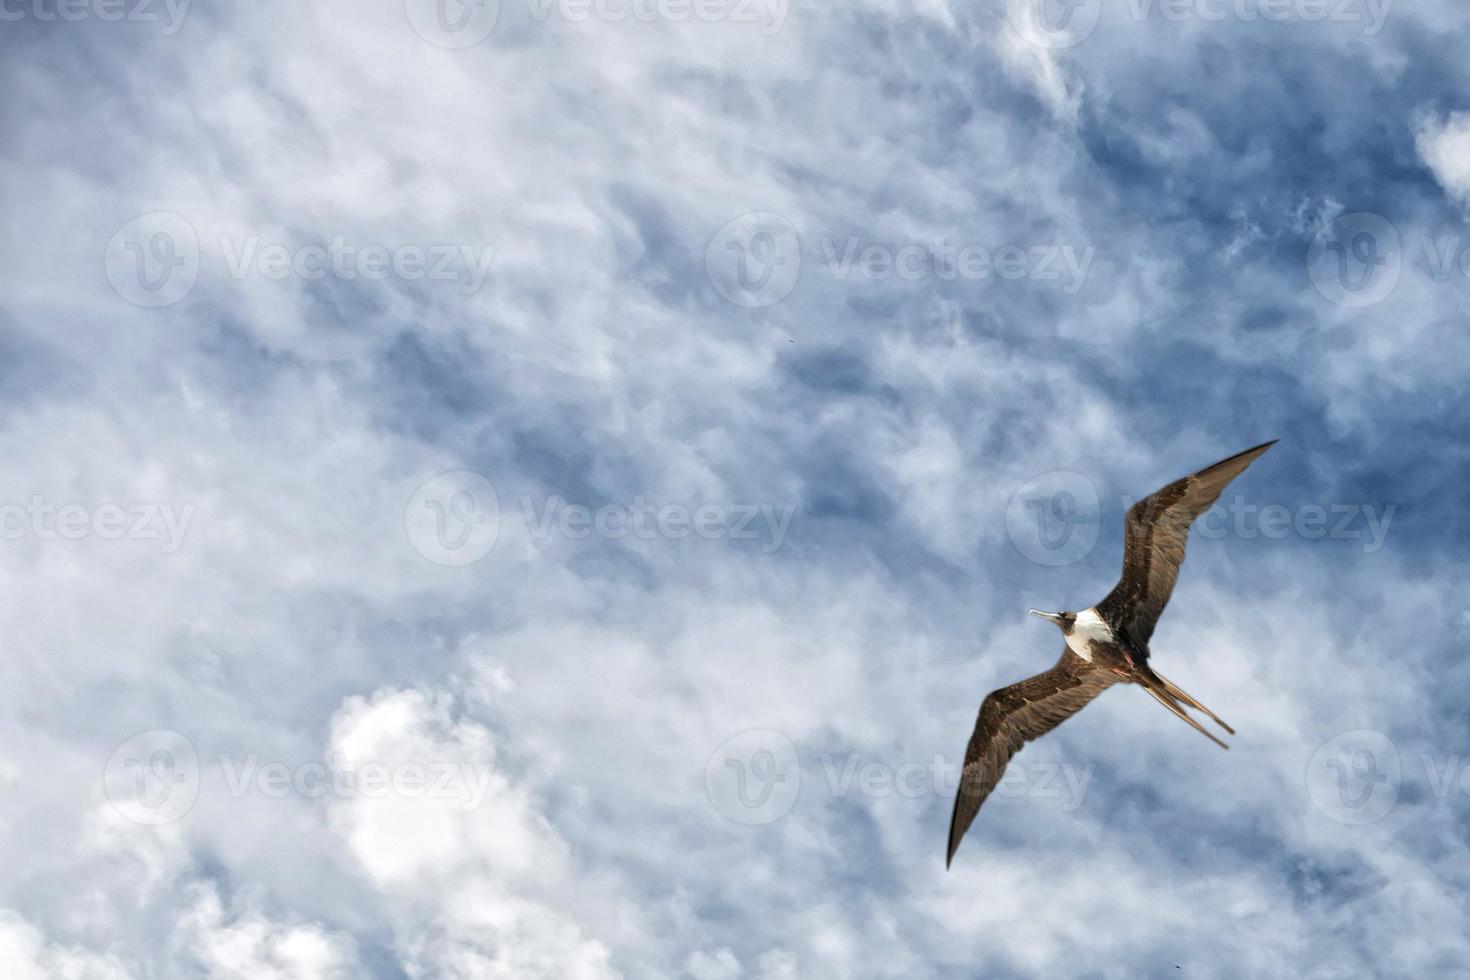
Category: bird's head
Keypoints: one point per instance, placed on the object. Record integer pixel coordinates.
(1064, 620)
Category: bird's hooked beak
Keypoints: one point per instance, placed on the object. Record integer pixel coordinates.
(1054, 617)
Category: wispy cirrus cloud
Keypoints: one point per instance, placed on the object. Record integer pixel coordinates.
(795, 267)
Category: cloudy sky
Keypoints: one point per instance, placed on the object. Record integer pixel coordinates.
(539, 488)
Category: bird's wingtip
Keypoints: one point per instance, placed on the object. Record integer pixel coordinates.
(1250, 453)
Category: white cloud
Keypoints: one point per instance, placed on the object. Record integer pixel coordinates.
(576, 689)
(25, 955)
(465, 860)
(247, 946)
(1045, 71)
(1444, 146)
(719, 965)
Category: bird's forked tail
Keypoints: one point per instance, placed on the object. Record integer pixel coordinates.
(1170, 694)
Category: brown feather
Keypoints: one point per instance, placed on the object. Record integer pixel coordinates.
(1013, 716)
(1154, 685)
(1153, 545)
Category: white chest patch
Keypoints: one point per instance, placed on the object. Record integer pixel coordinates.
(1088, 629)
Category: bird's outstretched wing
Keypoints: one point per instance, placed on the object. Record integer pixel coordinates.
(1153, 544)
(1013, 716)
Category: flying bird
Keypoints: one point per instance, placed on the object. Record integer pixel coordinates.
(1105, 645)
